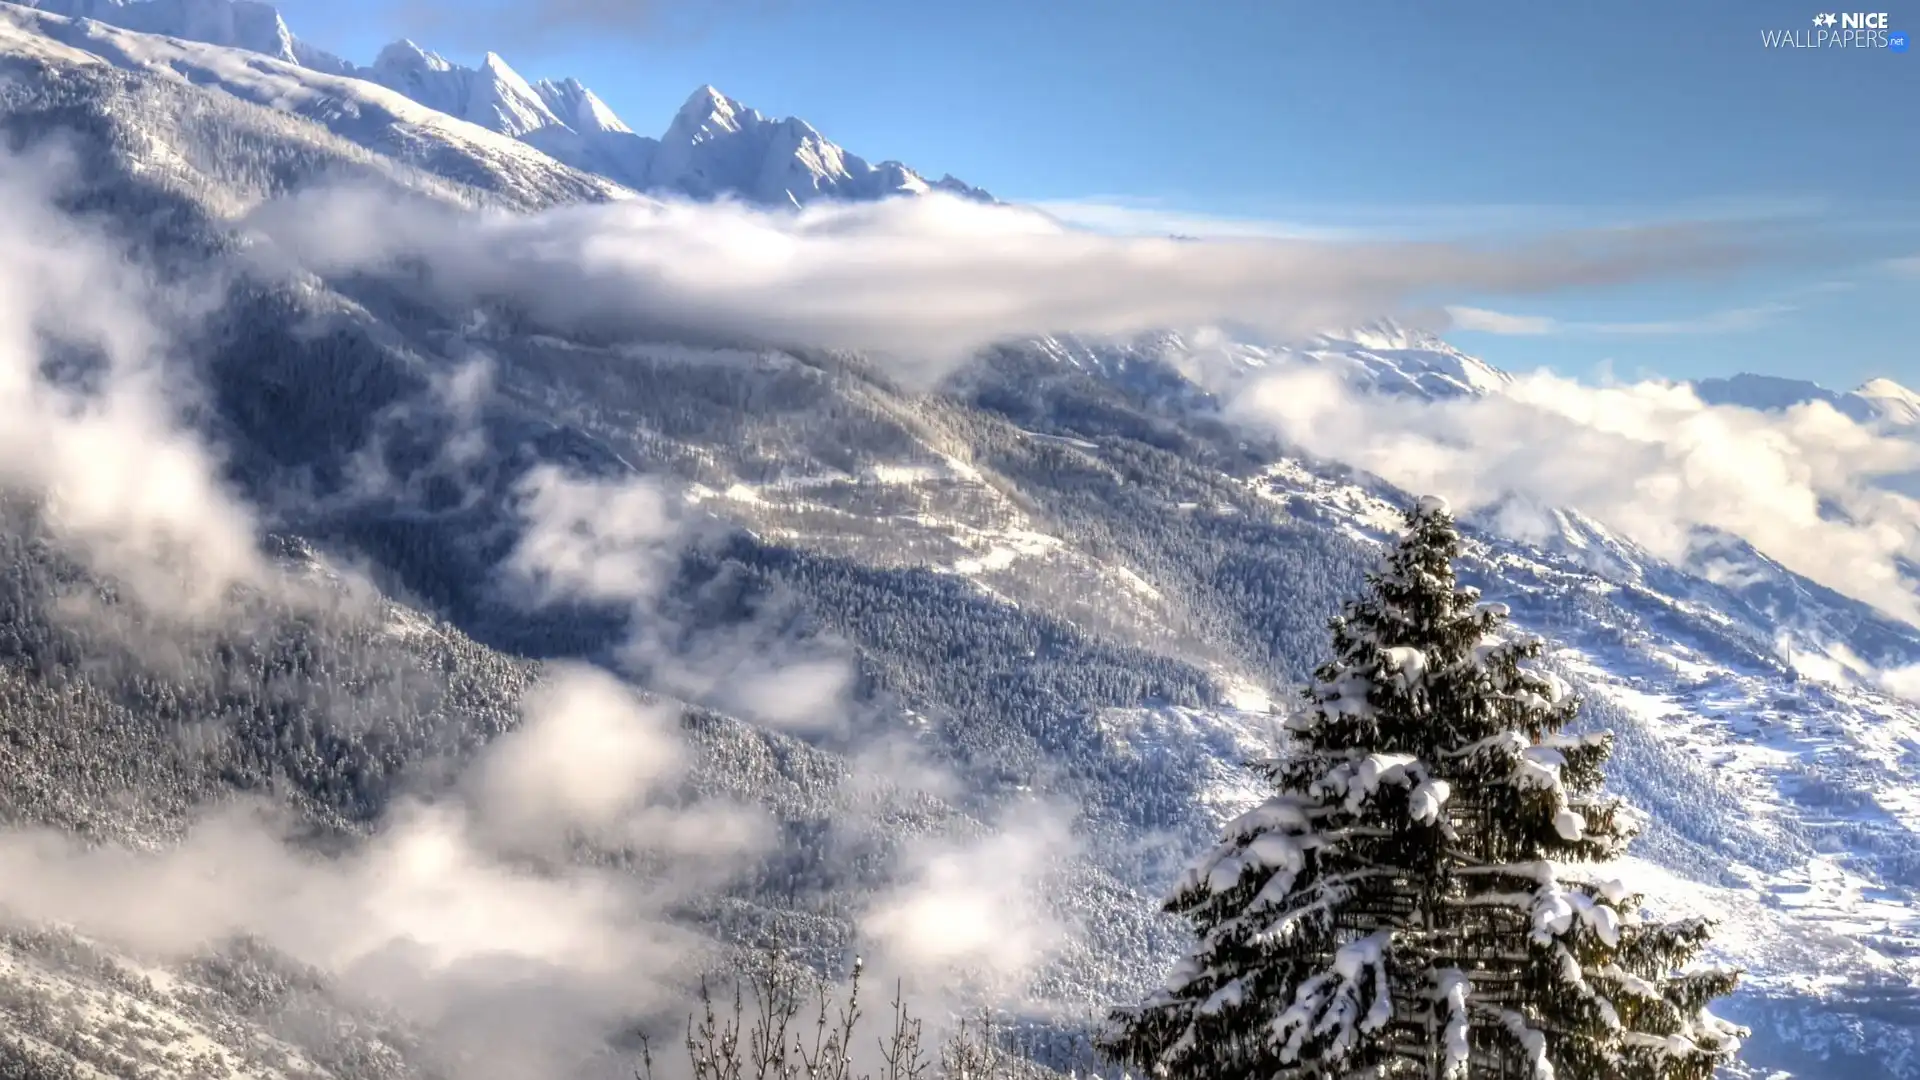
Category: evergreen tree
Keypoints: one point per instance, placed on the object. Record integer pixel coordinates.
(1397, 908)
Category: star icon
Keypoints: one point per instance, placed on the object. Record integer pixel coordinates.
(1824, 19)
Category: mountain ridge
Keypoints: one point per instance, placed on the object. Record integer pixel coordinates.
(715, 147)
(1879, 401)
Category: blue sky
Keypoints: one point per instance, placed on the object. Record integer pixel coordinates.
(1366, 119)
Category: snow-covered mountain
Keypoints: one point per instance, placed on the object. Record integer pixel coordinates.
(1390, 358)
(240, 24)
(1877, 401)
(1198, 367)
(493, 95)
(713, 147)
(1386, 356)
(327, 113)
(1891, 403)
(580, 108)
(1058, 574)
(717, 146)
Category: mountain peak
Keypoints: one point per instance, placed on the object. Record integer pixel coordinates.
(1389, 334)
(1394, 357)
(953, 185)
(579, 108)
(1892, 403)
(405, 55)
(1888, 389)
(706, 97)
(492, 95)
(711, 112)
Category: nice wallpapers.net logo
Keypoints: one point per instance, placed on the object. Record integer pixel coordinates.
(1839, 30)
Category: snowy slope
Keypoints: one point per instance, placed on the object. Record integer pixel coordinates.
(1383, 356)
(579, 108)
(1776, 770)
(372, 116)
(240, 24)
(1390, 358)
(589, 135)
(1890, 402)
(1191, 367)
(1779, 787)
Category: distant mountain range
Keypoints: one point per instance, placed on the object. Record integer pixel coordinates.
(1877, 401)
(715, 146)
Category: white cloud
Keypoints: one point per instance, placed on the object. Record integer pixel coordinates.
(1499, 322)
(920, 281)
(614, 541)
(519, 972)
(977, 910)
(591, 759)
(1647, 459)
(439, 914)
(798, 695)
(1726, 321)
(586, 754)
(596, 540)
(1134, 216)
(123, 483)
(421, 885)
(463, 913)
(1836, 663)
(753, 668)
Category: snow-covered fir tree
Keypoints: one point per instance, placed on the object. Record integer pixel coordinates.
(1406, 905)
